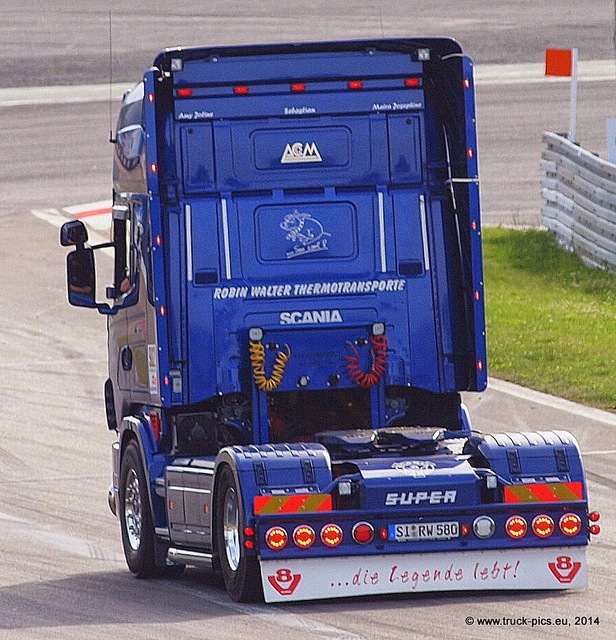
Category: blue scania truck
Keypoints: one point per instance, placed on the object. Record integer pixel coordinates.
(296, 305)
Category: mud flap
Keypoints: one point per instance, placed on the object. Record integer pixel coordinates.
(498, 569)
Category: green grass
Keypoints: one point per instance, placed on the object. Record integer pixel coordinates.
(551, 319)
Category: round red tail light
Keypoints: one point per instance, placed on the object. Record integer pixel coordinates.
(543, 526)
(570, 524)
(276, 538)
(516, 527)
(331, 535)
(363, 533)
(304, 536)
(594, 516)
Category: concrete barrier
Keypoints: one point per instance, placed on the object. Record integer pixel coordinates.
(579, 189)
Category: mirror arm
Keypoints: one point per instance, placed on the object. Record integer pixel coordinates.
(103, 245)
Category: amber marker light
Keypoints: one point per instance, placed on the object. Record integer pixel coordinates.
(276, 538)
(516, 527)
(304, 536)
(543, 526)
(331, 535)
(570, 524)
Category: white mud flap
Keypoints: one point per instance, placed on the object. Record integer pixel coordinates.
(504, 569)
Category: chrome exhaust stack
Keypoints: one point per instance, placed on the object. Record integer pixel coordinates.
(197, 558)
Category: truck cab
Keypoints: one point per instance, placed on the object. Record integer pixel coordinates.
(296, 304)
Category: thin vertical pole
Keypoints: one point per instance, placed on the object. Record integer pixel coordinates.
(573, 113)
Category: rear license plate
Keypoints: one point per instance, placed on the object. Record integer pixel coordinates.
(424, 531)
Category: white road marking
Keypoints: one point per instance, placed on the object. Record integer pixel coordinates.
(607, 452)
(545, 400)
(52, 216)
(91, 208)
(95, 215)
(533, 72)
(29, 96)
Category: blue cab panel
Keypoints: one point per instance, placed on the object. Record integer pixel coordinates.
(326, 151)
(218, 69)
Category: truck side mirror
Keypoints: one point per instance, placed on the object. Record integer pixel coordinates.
(73, 233)
(81, 280)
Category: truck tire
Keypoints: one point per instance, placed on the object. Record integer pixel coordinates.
(135, 515)
(240, 571)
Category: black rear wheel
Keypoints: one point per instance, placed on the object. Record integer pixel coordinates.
(239, 570)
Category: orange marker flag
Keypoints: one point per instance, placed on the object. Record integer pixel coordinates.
(558, 62)
(564, 62)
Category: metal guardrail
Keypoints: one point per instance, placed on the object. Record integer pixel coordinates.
(579, 189)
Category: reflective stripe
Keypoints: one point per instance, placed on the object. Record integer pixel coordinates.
(189, 255)
(552, 492)
(225, 238)
(381, 203)
(304, 503)
(424, 231)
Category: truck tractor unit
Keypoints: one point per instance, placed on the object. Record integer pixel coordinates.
(295, 307)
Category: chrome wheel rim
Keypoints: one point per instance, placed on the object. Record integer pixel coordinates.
(231, 529)
(132, 510)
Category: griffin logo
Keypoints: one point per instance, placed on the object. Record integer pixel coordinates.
(414, 468)
(305, 232)
(297, 152)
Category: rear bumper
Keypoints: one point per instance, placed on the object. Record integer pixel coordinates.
(499, 569)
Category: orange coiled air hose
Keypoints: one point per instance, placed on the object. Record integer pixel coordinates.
(257, 360)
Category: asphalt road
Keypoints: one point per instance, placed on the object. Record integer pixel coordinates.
(62, 574)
